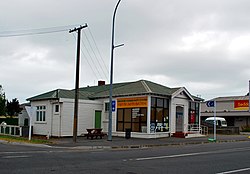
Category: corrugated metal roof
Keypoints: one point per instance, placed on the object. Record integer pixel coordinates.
(141, 87)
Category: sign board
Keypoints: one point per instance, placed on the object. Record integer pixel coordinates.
(241, 104)
(210, 103)
(113, 105)
(135, 102)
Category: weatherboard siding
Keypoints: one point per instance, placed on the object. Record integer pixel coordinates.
(42, 128)
(86, 115)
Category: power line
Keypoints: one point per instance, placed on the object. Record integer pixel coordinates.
(97, 49)
(37, 31)
(92, 59)
(87, 60)
(96, 56)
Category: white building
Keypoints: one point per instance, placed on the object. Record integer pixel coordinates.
(150, 110)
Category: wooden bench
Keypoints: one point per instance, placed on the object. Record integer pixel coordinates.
(94, 132)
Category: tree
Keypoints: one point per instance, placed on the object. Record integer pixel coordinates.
(2, 102)
(13, 107)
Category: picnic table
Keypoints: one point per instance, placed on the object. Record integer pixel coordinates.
(94, 132)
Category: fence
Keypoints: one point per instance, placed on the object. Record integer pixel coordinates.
(10, 130)
(196, 128)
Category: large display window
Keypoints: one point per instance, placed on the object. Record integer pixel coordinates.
(132, 114)
(193, 117)
(132, 118)
(159, 120)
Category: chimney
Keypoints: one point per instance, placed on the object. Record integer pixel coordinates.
(101, 83)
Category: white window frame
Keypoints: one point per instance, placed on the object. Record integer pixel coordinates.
(56, 106)
(41, 113)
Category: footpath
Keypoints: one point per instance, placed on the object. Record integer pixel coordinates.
(121, 142)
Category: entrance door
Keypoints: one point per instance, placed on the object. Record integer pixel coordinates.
(179, 118)
(98, 119)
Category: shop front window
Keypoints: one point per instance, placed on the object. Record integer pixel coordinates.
(159, 121)
(131, 118)
(193, 113)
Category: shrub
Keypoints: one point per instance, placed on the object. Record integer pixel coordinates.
(245, 128)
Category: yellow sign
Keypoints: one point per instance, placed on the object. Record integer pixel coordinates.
(136, 102)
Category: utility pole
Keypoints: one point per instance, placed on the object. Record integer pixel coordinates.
(78, 51)
(111, 72)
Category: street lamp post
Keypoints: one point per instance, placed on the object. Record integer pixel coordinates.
(111, 73)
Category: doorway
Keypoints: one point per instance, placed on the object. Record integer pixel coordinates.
(98, 119)
(179, 118)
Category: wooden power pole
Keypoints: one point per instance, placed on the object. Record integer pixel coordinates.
(78, 51)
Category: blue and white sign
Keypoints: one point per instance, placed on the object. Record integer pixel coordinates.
(210, 103)
(113, 105)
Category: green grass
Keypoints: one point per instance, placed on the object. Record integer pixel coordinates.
(23, 140)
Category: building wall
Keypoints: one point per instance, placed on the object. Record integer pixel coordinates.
(86, 115)
(183, 101)
(61, 124)
(226, 110)
(41, 128)
(22, 116)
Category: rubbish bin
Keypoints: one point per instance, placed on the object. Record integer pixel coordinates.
(127, 133)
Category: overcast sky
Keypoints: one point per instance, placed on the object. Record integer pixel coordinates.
(203, 45)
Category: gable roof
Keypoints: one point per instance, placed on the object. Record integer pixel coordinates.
(58, 93)
(141, 87)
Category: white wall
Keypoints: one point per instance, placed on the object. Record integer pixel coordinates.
(22, 116)
(61, 124)
(86, 115)
(179, 100)
(41, 128)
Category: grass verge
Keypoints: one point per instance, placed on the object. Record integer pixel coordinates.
(24, 140)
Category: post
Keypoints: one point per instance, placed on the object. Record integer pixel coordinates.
(31, 114)
(214, 120)
(77, 79)
(111, 75)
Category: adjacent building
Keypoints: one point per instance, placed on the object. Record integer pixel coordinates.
(149, 109)
(234, 109)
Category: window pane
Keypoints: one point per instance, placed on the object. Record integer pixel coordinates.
(107, 106)
(135, 127)
(159, 115)
(159, 102)
(153, 114)
(143, 115)
(166, 103)
(120, 115)
(127, 126)
(120, 126)
(153, 101)
(43, 115)
(136, 118)
(127, 115)
(56, 108)
(37, 115)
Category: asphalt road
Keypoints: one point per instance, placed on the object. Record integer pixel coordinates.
(203, 158)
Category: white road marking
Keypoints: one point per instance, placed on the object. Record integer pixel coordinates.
(189, 154)
(20, 156)
(235, 171)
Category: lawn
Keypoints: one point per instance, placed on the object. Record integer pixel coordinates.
(24, 140)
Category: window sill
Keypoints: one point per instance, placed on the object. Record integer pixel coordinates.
(40, 122)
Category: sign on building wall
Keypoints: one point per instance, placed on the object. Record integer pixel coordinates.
(241, 104)
(135, 102)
